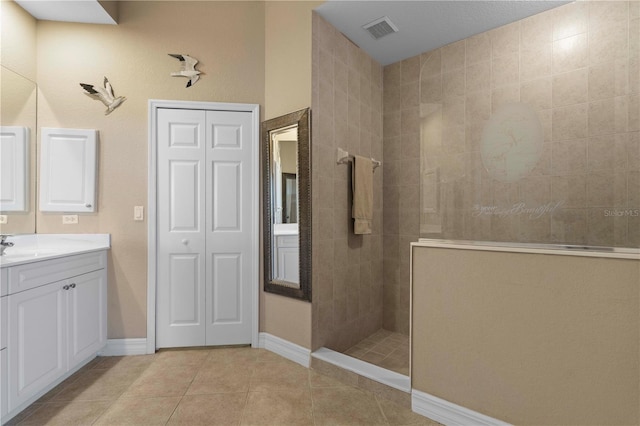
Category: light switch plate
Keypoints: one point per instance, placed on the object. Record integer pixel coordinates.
(69, 219)
(138, 212)
(3, 219)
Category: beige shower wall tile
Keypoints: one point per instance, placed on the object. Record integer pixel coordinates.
(504, 95)
(478, 107)
(634, 38)
(431, 63)
(537, 93)
(569, 226)
(633, 151)
(606, 44)
(570, 191)
(478, 76)
(536, 29)
(478, 48)
(570, 122)
(570, 20)
(607, 14)
(410, 95)
(608, 116)
(634, 113)
(453, 56)
(505, 70)
(410, 69)
(431, 89)
(453, 113)
(607, 189)
(608, 152)
(634, 75)
(608, 80)
(570, 88)
(633, 189)
(536, 62)
(505, 40)
(570, 53)
(569, 156)
(453, 83)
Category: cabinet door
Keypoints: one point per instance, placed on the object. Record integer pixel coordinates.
(68, 170)
(87, 315)
(37, 352)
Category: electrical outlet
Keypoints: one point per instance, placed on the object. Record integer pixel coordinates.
(138, 212)
(3, 219)
(69, 219)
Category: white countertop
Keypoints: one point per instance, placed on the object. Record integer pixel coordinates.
(36, 247)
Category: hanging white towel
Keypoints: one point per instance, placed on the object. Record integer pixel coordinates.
(362, 185)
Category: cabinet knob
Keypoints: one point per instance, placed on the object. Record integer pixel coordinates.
(73, 285)
(185, 241)
(88, 206)
(65, 287)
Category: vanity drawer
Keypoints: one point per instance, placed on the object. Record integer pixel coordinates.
(287, 240)
(30, 275)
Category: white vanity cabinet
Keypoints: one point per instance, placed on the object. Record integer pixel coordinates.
(56, 322)
(3, 344)
(287, 254)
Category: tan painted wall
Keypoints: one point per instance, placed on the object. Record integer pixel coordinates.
(18, 95)
(287, 89)
(228, 40)
(18, 42)
(528, 338)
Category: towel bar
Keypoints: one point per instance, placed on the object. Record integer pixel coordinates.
(344, 158)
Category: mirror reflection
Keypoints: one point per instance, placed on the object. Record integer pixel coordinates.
(287, 205)
(18, 117)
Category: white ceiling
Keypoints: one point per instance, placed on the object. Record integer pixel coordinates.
(423, 24)
(85, 11)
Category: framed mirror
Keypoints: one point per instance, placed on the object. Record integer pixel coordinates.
(287, 204)
(17, 153)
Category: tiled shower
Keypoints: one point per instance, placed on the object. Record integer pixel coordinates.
(575, 68)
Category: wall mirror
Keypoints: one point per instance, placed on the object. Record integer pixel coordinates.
(287, 204)
(18, 112)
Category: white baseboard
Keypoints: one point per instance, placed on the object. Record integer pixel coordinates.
(120, 347)
(285, 349)
(448, 413)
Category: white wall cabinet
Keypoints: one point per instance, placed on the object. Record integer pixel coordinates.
(14, 168)
(54, 325)
(68, 170)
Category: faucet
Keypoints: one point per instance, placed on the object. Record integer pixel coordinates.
(4, 244)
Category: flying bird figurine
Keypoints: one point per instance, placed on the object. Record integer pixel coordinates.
(188, 68)
(105, 95)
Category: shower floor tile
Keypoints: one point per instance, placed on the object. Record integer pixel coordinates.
(385, 349)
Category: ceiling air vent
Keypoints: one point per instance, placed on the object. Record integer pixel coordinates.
(380, 27)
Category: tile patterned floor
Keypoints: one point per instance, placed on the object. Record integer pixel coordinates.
(223, 386)
(385, 349)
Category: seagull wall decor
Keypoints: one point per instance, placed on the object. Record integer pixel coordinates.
(105, 95)
(188, 68)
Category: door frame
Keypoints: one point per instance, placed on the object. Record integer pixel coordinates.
(152, 189)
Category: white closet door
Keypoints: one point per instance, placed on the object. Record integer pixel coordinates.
(181, 228)
(205, 232)
(229, 228)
